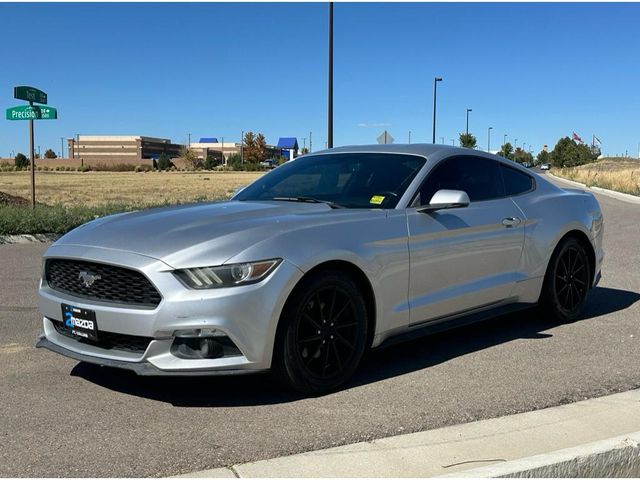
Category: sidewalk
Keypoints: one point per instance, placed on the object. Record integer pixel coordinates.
(486, 443)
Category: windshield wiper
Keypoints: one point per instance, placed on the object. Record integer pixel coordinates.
(307, 200)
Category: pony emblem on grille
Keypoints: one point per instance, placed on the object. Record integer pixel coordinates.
(88, 278)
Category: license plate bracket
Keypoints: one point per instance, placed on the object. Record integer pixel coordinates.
(80, 322)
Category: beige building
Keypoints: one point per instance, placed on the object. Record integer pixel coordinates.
(120, 149)
(206, 145)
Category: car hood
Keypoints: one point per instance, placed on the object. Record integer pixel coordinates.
(180, 235)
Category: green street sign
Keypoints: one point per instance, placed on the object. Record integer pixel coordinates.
(27, 112)
(30, 94)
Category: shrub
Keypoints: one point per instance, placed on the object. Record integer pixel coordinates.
(21, 160)
(164, 162)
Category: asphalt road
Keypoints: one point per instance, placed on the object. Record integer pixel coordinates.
(62, 418)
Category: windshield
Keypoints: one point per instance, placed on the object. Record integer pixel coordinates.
(351, 180)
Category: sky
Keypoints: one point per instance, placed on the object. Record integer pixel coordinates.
(536, 72)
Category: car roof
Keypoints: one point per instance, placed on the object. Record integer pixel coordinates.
(423, 149)
(428, 150)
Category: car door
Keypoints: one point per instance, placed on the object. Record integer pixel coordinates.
(463, 258)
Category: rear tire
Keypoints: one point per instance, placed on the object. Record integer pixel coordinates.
(567, 281)
(323, 335)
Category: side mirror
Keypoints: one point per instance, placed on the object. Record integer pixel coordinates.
(445, 199)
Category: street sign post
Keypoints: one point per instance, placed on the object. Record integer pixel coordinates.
(385, 138)
(28, 112)
(30, 94)
(31, 112)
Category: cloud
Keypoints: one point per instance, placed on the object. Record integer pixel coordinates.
(373, 125)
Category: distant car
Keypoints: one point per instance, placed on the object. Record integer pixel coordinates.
(270, 163)
(544, 166)
(319, 260)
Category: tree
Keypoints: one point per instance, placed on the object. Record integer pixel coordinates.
(235, 161)
(213, 160)
(164, 162)
(191, 159)
(568, 153)
(249, 149)
(21, 160)
(50, 154)
(506, 151)
(262, 148)
(255, 148)
(467, 140)
(543, 157)
(304, 151)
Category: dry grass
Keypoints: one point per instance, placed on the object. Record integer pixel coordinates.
(622, 175)
(141, 189)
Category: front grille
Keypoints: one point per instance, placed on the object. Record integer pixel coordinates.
(108, 340)
(111, 284)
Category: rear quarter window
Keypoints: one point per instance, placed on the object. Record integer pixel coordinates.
(515, 182)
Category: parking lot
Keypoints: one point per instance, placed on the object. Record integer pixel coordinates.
(59, 417)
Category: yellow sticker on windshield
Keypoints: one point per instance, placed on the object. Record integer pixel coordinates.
(377, 199)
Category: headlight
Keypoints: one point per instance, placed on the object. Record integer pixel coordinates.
(227, 275)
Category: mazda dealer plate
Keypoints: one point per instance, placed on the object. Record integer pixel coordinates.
(80, 322)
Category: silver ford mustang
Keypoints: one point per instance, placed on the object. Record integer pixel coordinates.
(320, 259)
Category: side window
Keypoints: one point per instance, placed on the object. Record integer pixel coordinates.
(478, 176)
(516, 182)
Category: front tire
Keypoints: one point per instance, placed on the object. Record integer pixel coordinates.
(324, 334)
(567, 281)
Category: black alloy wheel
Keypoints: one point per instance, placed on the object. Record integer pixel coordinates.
(325, 333)
(567, 281)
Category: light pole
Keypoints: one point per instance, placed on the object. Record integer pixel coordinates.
(330, 95)
(468, 110)
(189, 141)
(452, 142)
(435, 90)
(442, 140)
(489, 140)
(77, 145)
(61, 147)
(242, 148)
(409, 137)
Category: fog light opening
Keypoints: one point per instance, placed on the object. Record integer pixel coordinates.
(199, 348)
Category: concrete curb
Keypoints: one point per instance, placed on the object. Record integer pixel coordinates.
(625, 197)
(600, 434)
(614, 457)
(28, 238)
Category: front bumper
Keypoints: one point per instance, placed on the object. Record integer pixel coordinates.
(247, 315)
(144, 368)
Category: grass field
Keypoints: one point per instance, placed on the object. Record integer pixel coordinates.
(94, 189)
(622, 175)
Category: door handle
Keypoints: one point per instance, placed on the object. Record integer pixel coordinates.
(511, 222)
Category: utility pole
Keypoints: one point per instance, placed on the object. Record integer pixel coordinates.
(330, 96)
(33, 162)
(61, 147)
(189, 141)
(409, 137)
(435, 88)
(310, 146)
(442, 140)
(489, 140)
(452, 142)
(78, 144)
(242, 148)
